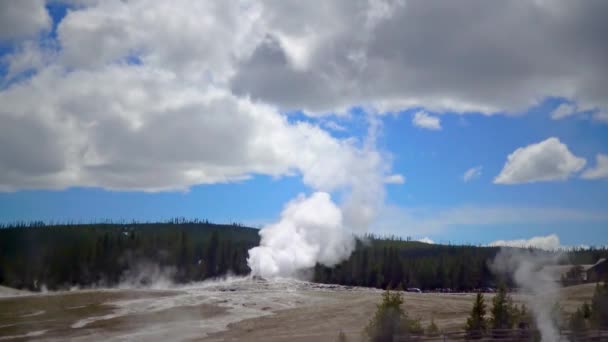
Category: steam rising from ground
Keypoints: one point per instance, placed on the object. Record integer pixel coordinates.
(315, 229)
(310, 230)
(530, 272)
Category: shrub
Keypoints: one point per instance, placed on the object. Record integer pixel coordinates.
(390, 320)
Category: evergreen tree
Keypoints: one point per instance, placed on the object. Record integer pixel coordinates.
(599, 307)
(502, 312)
(476, 323)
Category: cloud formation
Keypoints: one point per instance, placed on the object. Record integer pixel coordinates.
(472, 173)
(167, 123)
(549, 242)
(426, 240)
(548, 160)
(140, 96)
(141, 128)
(600, 170)
(564, 110)
(23, 19)
(424, 120)
(443, 56)
(394, 179)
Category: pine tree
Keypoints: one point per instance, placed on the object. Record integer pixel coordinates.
(476, 323)
(599, 307)
(502, 310)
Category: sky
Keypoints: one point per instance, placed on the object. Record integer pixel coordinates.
(448, 122)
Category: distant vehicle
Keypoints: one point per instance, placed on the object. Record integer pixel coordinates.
(489, 290)
(414, 289)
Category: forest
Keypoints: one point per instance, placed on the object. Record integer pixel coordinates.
(38, 256)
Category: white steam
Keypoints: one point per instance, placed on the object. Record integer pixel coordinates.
(315, 229)
(310, 230)
(531, 274)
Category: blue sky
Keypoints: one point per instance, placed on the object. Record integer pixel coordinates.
(481, 129)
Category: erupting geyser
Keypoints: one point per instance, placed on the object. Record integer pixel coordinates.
(310, 230)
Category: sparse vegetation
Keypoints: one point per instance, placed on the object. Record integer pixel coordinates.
(432, 330)
(594, 316)
(391, 321)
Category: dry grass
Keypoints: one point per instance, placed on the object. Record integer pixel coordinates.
(350, 312)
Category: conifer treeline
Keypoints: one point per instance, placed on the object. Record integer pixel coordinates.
(102, 254)
(61, 256)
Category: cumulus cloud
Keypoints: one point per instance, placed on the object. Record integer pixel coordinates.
(166, 95)
(600, 170)
(144, 128)
(548, 160)
(424, 120)
(23, 18)
(549, 242)
(394, 179)
(169, 121)
(408, 55)
(563, 111)
(472, 173)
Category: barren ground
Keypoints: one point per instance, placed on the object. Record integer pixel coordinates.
(233, 310)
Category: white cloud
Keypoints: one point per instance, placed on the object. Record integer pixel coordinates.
(562, 111)
(472, 173)
(394, 179)
(28, 56)
(144, 128)
(205, 108)
(424, 120)
(549, 242)
(600, 170)
(548, 160)
(334, 126)
(426, 240)
(391, 64)
(22, 18)
(601, 116)
(164, 35)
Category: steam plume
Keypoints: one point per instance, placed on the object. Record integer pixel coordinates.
(530, 272)
(310, 230)
(315, 229)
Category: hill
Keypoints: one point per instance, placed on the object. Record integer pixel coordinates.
(38, 256)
